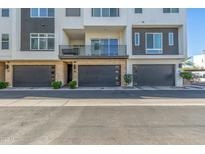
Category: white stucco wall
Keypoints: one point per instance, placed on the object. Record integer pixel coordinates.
(126, 20)
(104, 21)
(155, 16)
(6, 28)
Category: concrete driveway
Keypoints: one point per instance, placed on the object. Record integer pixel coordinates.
(150, 117)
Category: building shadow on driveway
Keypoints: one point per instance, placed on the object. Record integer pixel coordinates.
(107, 94)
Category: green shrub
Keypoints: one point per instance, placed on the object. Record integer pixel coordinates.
(128, 78)
(3, 84)
(72, 84)
(56, 84)
(186, 75)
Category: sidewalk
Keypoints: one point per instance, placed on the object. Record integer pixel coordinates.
(35, 102)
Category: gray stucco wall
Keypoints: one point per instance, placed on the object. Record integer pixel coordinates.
(167, 50)
(33, 25)
(75, 12)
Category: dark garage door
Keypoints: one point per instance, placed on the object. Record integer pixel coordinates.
(33, 76)
(154, 75)
(99, 75)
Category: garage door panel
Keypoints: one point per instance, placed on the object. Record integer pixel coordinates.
(99, 75)
(154, 75)
(33, 76)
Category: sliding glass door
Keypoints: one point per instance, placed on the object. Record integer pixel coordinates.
(104, 47)
(113, 47)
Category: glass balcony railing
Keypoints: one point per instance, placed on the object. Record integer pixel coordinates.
(67, 51)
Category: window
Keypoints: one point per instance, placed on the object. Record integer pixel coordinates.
(105, 12)
(96, 12)
(104, 47)
(114, 12)
(5, 41)
(73, 12)
(41, 41)
(153, 43)
(171, 38)
(51, 12)
(42, 12)
(170, 10)
(138, 10)
(137, 39)
(5, 12)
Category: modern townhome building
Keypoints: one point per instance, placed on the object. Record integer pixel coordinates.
(94, 46)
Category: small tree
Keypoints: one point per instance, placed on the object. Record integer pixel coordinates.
(186, 75)
(128, 79)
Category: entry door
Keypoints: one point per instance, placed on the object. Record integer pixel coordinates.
(70, 72)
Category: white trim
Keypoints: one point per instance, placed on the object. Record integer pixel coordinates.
(171, 38)
(159, 49)
(38, 16)
(38, 37)
(137, 34)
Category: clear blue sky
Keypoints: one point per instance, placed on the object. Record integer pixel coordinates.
(196, 31)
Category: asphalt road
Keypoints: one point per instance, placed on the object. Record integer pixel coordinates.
(106, 94)
(104, 124)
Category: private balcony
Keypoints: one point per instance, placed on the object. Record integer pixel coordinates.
(92, 51)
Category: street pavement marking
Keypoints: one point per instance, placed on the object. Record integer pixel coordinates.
(25, 102)
(52, 102)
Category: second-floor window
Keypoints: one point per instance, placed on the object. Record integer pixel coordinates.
(171, 38)
(137, 39)
(42, 12)
(105, 12)
(5, 12)
(153, 43)
(138, 10)
(4, 41)
(170, 10)
(42, 41)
